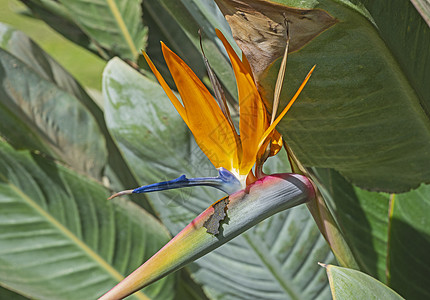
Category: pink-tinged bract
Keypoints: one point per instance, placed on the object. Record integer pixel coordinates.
(245, 208)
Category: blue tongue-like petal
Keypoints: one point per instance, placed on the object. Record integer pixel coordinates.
(225, 182)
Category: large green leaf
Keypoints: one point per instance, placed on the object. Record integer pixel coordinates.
(275, 259)
(34, 58)
(38, 115)
(351, 284)
(407, 35)
(113, 24)
(27, 51)
(61, 239)
(8, 294)
(187, 288)
(388, 234)
(365, 110)
(409, 237)
(362, 217)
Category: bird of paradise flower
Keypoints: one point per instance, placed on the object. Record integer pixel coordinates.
(253, 195)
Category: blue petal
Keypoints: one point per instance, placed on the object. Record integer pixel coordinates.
(225, 182)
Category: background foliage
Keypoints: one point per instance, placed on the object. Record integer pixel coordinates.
(362, 123)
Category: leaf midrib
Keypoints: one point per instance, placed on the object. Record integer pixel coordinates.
(69, 235)
(273, 270)
(123, 28)
(391, 204)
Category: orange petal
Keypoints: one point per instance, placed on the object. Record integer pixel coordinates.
(210, 128)
(279, 118)
(253, 116)
(276, 144)
(167, 89)
(275, 141)
(247, 65)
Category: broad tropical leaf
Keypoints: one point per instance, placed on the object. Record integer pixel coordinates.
(351, 284)
(34, 58)
(29, 53)
(388, 234)
(410, 222)
(188, 288)
(362, 216)
(369, 91)
(407, 36)
(114, 25)
(8, 294)
(38, 115)
(278, 255)
(61, 239)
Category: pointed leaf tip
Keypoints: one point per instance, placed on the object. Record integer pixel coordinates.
(352, 284)
(122, 193)
(286, 109)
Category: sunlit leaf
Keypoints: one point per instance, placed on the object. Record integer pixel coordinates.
(38, 115)
(114, 25)
(61, 239)
(29, 53)
(350, 284)
(37, 60)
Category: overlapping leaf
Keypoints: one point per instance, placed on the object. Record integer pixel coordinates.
(275, 259)
(8, 294)
(365, 111)
(113, 24)
(362, 217)
(38, 115)
(45, 68)
(351, 284)
(61, 239)
(407, 35)
(388, 234)
(29, 53)
(410, 222)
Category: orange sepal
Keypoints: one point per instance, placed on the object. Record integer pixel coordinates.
(276, 143)
(253, 116)
(166, 89)
(269, 130)
(212, 131)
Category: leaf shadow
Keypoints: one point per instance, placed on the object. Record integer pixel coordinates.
(409, 260)
(347, 206)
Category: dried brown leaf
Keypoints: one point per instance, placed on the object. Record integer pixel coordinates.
(258, 28)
